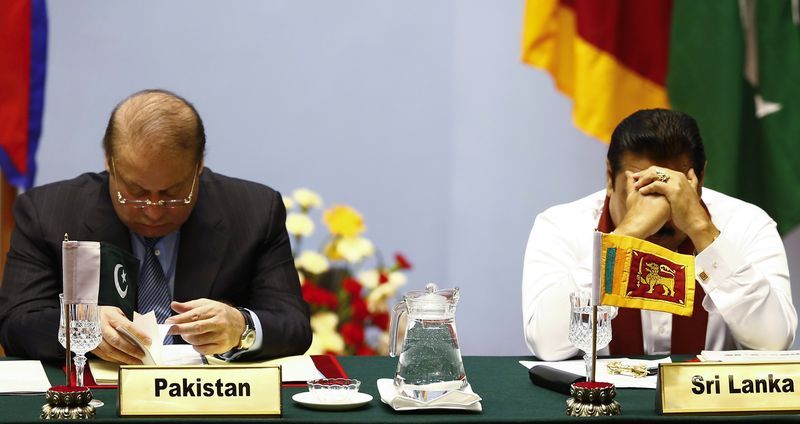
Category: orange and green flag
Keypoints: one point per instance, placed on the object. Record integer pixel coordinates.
(635, 273)
(731, 64)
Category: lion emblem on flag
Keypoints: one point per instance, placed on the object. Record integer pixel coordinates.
(653, 278)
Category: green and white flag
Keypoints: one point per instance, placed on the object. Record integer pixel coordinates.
(734, 66)
(100, 272)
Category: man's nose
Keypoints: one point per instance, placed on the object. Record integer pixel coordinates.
(154, 213)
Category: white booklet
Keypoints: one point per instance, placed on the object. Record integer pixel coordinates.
(749, 356)
(23, 378)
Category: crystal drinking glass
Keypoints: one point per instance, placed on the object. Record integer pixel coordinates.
(85, 332)
(580, 326)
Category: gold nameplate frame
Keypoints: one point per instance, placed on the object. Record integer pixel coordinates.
(247, 390)
(728, 387)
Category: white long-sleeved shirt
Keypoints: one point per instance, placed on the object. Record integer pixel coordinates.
(748, 294)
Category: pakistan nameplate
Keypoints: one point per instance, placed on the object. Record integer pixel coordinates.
(726, 387)
(250, 390)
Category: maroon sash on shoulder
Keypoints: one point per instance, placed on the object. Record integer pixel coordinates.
(688, 333)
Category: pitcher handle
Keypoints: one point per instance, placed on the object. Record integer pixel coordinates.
(399, 309)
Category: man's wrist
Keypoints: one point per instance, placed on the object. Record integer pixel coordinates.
(703, 236)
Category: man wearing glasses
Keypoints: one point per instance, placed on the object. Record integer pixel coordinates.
(216, 259)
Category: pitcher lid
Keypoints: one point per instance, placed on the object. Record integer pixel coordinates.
(432, 295)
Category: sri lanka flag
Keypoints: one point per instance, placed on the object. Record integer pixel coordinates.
(634, 273)
(23, 52)
(732, 65)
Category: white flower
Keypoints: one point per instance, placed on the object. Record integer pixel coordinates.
(354, 249)
(312, 262)
(323, 343)
(325, 339)
(288, 203)
(306, 198)
(397, 278)
(377, 299)
(299, 224)
(369, 279)
(322, 322)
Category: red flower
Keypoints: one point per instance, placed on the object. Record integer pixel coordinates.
(359, 309)
(402, 262)
(381, 320)
(383, 278)
(352, 286)
(365, 350)
(352, 333)
(319, 297)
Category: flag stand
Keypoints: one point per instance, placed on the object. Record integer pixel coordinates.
(590, 397)
(594, 344)
(67, 401)
(67, 331)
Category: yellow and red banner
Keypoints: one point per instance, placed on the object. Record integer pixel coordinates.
(609, 56)
(635, 273)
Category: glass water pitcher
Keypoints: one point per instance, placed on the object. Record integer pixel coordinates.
(430, 362)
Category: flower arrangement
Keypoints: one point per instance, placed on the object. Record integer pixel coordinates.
(348, 299)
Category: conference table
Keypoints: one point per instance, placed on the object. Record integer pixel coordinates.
(507, 392)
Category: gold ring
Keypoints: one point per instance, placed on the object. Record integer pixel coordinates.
(662, 176)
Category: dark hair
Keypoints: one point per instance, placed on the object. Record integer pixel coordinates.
(657, 134)
(182, 131)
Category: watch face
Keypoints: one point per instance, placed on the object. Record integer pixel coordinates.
(248, 338)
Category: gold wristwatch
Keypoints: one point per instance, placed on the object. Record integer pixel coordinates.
(248, 337)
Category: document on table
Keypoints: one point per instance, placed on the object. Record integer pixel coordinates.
(621, 381)
(749, 356)
(106, 373)
(293, 368)
(298, 368)
(23, 378)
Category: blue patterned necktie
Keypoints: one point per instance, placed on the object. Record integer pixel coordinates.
(153, 288)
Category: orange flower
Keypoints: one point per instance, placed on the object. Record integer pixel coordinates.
(343, 221)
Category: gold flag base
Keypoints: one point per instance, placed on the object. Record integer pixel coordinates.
(67, 402)
(592, 399)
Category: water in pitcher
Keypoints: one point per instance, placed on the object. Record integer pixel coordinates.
(430, 364)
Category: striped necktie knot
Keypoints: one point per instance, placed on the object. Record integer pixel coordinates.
(154, 293)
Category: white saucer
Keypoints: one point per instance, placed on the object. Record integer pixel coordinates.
(308, 400)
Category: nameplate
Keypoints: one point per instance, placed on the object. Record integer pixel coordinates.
(728, 387)
(251, 390)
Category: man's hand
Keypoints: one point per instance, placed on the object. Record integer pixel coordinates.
(645, 214)
(114, 347)
(211, 327)
(680, 190)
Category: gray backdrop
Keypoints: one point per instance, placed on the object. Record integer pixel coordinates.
(417, 113)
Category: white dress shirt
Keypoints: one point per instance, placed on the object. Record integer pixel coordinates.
(744, 274)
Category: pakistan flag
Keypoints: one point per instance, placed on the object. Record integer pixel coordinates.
(101, 272)
(735, 67)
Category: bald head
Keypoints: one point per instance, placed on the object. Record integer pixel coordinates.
(155, 121)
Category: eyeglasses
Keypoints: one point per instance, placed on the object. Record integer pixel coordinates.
(163, 203)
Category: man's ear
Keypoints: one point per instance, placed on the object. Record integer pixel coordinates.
(609, 179)
(701, 177)
(700, 180)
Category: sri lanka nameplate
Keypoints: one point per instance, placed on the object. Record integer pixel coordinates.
(246, 390)
(728, 387)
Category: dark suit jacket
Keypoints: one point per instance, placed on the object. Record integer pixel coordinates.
(233, 248)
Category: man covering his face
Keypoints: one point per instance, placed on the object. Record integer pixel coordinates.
(654, 191)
